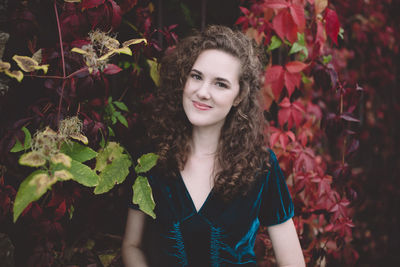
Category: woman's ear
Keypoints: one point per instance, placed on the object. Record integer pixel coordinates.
(237, 101)
(242, 94)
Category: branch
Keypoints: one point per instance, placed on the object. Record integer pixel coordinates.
(62, 59)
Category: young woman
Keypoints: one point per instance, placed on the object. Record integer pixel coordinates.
(215, 181)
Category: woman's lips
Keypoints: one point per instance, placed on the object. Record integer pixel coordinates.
(201, 106)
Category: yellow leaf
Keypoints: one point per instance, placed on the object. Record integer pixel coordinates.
(80, 137)
(37, 56)
(124, 50)
(107, 55)
(27, 64)
(32, 159)
(17, 74)
(63, 175)
(61, 158)
(320, 6)
(151, 7)
(4, 66)
(133, 41)
(42, 67)
(79, 51)
(42, 181)
(106, 259)
(112, 43)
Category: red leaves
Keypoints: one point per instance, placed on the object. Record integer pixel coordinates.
(102, 14)
(60, 211)
(111, 69)
(332, 24)
(127, 5)
(7, 195)
(285, 26)
(292, 80)
(292, 75)
(305, 159)
(289, 76)
(324, 184)
(86, 4)
(290, 113)
(281, 136)
(274, 77)
(295, 66)
(276, 4)
(289, 20)
(339, 209)
(297, 12)
(116, 14)
(342, 226)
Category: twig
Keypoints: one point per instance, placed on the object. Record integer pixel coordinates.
(60, 77)
(62, 59)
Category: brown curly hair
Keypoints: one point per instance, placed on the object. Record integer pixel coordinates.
(241, 150)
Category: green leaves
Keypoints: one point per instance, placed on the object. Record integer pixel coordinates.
(299, 46)
(113, 115)
(143, 196)
(114, 173)
(66, 162)
(326, 59)
(107, 155)
(154, 71)
(275, 43)
(31, 189)
(82, 174)
(146, 162)
(113, 165)
(78, 152)
(27, 142)
(121, 105)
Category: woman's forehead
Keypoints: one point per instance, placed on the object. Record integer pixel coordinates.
(218, 63)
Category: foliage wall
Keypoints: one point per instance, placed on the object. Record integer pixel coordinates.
(330, 96)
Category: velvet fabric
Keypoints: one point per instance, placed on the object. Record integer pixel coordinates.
(220, 233)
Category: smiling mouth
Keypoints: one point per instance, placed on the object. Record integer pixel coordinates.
(201, 106)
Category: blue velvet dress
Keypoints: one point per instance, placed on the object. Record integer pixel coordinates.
(220, 233)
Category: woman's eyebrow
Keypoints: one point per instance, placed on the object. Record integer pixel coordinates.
(219, 79)
(197, 71)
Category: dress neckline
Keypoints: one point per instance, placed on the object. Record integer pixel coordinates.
(189, 197)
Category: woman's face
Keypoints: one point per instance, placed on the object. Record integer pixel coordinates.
(211, 88)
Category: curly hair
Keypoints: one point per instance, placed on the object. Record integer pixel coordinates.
(241, 151)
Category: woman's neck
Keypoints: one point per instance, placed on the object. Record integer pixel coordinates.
(205, 141)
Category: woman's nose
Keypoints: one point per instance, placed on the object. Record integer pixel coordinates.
(204, 91)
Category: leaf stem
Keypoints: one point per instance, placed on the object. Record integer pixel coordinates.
(60, 77)
(341, 112)
(62, 59)
(60, 37)
(60, 101)
(341, 103)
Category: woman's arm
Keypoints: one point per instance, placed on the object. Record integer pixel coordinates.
(132, 253)
(286, 244)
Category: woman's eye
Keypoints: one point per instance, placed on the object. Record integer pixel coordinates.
(195, 76)
(223, 85)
